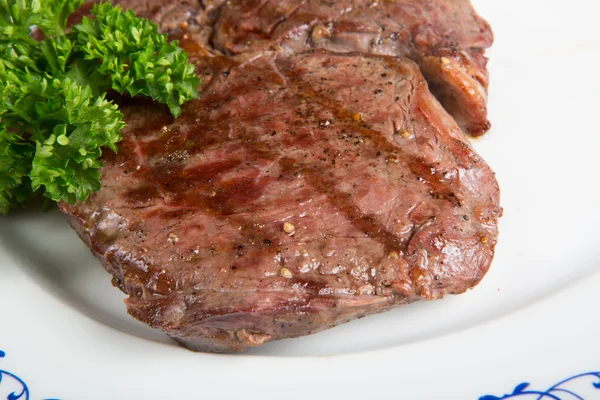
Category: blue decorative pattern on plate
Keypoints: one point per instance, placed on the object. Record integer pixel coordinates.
(11, 385)
(576, 387)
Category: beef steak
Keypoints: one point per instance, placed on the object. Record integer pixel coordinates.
(298, 193)
(445, 37)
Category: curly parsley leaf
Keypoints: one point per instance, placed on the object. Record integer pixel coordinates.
(66, 162)
(15, 164)
(137, 58)
(54, 117)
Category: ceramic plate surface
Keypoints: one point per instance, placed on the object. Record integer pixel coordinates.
(530, 330)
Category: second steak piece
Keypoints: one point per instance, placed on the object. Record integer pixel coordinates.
(445, 37)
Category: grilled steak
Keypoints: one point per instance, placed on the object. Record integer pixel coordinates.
(300, 192)
(445, 37)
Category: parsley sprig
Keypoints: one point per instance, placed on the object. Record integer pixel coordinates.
(54, 117)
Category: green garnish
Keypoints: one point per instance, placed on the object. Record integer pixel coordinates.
(54, 118)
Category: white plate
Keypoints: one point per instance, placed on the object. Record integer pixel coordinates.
(64, 332)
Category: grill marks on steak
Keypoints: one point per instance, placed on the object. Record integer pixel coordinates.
(389, 202)
(445, 37)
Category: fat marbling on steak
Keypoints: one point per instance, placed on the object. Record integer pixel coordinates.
(298, 193)
(447, 38)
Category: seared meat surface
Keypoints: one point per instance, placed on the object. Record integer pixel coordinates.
(445, 37)
(299, 192)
